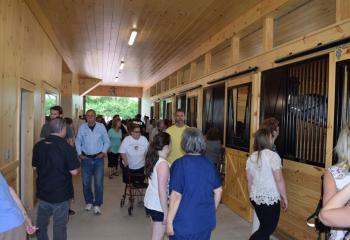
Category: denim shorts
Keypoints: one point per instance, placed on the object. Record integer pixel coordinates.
(155, 215)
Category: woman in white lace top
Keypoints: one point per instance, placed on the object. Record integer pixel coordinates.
(266, 185)
(337, 177)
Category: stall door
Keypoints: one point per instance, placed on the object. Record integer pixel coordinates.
(213, 108)
(192, 110)
(169, 111)
(237, 149)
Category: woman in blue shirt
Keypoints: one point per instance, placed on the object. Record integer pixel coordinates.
(115, 136)
(195, 191)
(13, 217)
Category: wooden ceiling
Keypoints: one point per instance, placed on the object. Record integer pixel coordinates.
(94, 33)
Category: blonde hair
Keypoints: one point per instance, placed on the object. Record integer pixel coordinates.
(342, 148)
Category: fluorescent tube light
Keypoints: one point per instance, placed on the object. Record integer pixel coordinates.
(132, 37)
(121, 65)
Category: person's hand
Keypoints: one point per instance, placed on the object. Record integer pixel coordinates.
(165, 219)
(30, 228)
(82, 157)
(170, 229)
(101, 155)
(284, 203)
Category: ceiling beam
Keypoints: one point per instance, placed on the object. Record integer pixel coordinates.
(88, 84)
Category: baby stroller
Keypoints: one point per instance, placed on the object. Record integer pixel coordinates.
(134, 187)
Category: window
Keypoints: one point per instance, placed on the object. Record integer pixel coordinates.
(342, 100)
(126, 107)
(192, 110)
(238, 116)
(296, 95)
(169, 111)
(213, 107)
(50, 101)
(181, 103)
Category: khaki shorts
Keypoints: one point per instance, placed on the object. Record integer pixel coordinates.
(18, 233)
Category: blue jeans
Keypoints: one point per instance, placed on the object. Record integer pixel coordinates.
(59, 211)
(93, 167)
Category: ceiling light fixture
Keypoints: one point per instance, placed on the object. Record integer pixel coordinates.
(132, 37)
(121, 65)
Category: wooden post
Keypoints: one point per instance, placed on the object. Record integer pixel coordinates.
(330, 108)
(235, 49)
(193, 71)
(207, 63)
(268, 33)
(342, 9)
(255, 112)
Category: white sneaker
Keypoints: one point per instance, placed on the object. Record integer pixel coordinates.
(88, 207)
(97, 210)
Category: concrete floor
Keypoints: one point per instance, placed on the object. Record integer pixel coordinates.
(115, 223)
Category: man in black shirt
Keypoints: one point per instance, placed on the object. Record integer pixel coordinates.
(55, 161)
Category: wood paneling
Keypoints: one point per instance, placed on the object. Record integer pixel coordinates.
(235, 193)
(28, 60)
(306, 18)
(116, 91)
(303, 183)
(200, 68)
(221, 56)
(251, 44)
(173, 80)
(87, 84)
(342, 9)
(94, 33)
(249, 17)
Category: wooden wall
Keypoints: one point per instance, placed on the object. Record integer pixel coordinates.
(258, 37)
(28, 60)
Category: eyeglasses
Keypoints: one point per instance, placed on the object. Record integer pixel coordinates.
(136, 131)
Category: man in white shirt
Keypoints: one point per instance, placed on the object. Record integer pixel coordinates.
(133, 151)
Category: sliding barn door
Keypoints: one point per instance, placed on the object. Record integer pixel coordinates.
(238, 117)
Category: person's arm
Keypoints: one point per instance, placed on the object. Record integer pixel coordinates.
(28, 222)
(175, 199)
(106, 142)
(217, 196)
(335, 213)
(249, 181)
(78, 143)
(70, 136)
(329, 187)
(124, 159)
(163, 177)
(278, 176)
(74, 172)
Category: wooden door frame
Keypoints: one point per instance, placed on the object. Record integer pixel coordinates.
(254, 80)
(29, 194)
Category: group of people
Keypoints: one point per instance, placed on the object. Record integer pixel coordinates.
(173, 199)
(184, 187)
